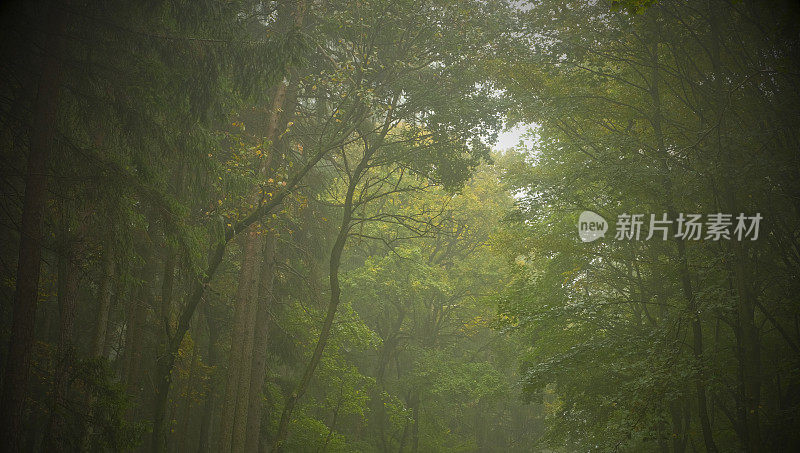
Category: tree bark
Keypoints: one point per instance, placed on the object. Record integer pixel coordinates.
(333, 303)
(237, 390)
(683, 266)
(749, 347)
(186, 413)
(376, 401)
(137, 318)
(56, 436)
(217, 253)
(260, 337)
(208, 412)
(17, 367)
(104, 297)
(697, 349)
(137, 313)
(238, 383)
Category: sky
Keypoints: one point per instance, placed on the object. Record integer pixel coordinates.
(511, 137)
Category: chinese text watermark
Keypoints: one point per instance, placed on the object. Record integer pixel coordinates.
(687, 227)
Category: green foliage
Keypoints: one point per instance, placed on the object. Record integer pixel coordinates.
(107, 412)
(625, 338)
(354, 139)
(632, 6)
(309, 434)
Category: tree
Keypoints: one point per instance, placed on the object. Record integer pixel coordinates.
(43, 131)
(659, 83)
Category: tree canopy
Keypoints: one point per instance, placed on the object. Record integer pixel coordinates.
(299, 226)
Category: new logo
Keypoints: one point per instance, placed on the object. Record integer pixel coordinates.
(591, 226)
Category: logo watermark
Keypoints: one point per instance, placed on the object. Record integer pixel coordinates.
(687, 227)
(591, 226)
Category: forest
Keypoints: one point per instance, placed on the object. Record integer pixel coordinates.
(400, 226)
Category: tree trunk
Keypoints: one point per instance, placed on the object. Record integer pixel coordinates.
(749, 352)
(376, 401)
(208, 412)
(137, 318)
(159, 408)
(104, 297)
(747, 332)
(166, 361)
(260, 337)
(56, 436)
(204, 444)
(215, 258)
(697, 348)
(333, 303)
(237, 392)
(137, 312)
(218, 251)
(683, 267)
(99, 344)
(186, 413)
(17, 367)
(237, 387)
